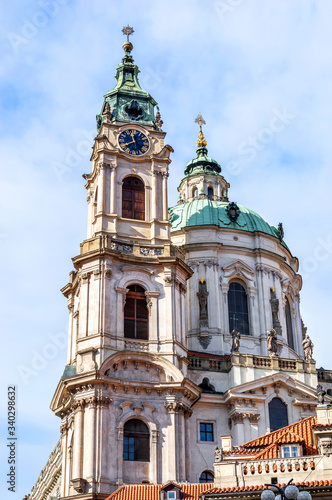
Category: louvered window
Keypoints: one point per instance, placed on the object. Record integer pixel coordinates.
(136, 316)
(133, 199)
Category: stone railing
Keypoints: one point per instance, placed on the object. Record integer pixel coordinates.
(203, 196)
(132, 345)
(324, 375)
(107, 243)
(49, 476)
(225, 363)
(210, 364)
(280, 465)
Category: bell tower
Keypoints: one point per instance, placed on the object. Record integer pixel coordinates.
(127, 354)
(127, 188)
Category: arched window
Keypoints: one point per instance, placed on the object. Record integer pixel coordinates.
(210, 193)
(136, 441)
(289, 326)
(195, 193)
(238, 309)
(206, 477)
(136, 315)
(133, 198)
(278, 414)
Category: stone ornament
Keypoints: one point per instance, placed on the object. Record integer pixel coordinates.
(218, 454)
(275, 311)
(272, 345)
(202, 295)
(308, 347)
(320, 394)
(236, 340)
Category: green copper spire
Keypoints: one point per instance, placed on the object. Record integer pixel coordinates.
(128, 102)
(202, 163)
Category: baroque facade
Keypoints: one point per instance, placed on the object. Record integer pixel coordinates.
(169, 311)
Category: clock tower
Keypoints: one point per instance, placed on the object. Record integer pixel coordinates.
(124, 398)
(130, 163)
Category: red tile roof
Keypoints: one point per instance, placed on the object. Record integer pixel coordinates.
(152, 491)
(193, 491)
(266, 447)
(235, 489)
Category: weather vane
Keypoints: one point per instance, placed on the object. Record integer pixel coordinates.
(127, 30)
(201, 139)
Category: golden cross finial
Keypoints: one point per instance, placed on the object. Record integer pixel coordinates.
(201, 139)
(127, 30)
(200, 120)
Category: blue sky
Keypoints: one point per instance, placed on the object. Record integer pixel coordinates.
(241, 63)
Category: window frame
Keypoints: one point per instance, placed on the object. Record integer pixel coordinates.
(210, 196)
(206, 472)
(289, 325)
(284, 407)
(132, 199)
(137, 438)
(206, 422)
(137, 298)
(232, 326)
(296, 448)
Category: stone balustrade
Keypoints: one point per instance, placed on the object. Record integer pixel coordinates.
(225, 363)
(210, 364)
(102, 243)
(280, 465)
(257, 472)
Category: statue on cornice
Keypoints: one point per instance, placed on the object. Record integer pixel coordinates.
(272, 345)
(308, 347)
(236, 340)
(202, 298)
(275, 311)
(218, 454)
(320, 394)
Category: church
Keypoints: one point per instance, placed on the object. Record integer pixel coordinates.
(184, 322)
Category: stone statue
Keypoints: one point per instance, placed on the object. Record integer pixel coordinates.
(236, 340)
(275, 311)
(308, 347)
(320, 394)
(272, 345)
(202, 298)
(218, 455)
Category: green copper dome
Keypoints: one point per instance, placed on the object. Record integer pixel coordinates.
(202, 164)
(203, 212)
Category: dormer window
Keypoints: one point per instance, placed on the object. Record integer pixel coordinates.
(288, 451)
(195, 193)
(210, 193)
(171, 491)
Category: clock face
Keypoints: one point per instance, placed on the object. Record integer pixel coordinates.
(133, 142)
